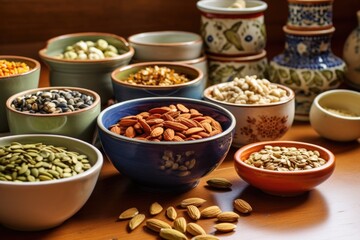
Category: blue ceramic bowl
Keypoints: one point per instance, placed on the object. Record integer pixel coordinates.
(124, 91)
(142, 161)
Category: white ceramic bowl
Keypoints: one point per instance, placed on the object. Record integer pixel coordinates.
(41, 205)
(166, 46)
(258, 122)
(331, 124)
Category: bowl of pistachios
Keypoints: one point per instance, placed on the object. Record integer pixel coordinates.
(68, 111)
(45, 179)
(86, 60)
(284, 168)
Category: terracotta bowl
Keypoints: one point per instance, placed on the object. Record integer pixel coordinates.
(283, 183)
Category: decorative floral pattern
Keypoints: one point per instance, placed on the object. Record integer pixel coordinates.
(233, 36)
(313, 15)
(264, 127)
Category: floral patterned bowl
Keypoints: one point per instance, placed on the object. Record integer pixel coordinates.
(232, 31)
(258, 122)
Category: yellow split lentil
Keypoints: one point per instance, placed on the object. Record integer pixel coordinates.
(8, 68)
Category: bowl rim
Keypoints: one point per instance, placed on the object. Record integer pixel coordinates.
(142, 65)
(136, 38)
(19, 58)
(327, 112)
(241, 58)
(291, 97)
(204, 6)
(166, 100)
(34, 90)
(128, 54)
(330, 162)
(96, 167)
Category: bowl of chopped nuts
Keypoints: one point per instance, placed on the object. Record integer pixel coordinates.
(17, 74)
(86, 60)
(66, 111)
(335, 115)
(264, 111)
(157, 79)
(176, 141)
(51, 179)
(284, 168)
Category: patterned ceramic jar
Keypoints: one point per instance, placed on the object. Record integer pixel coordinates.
(351, 56)
(310, 14)
(230, 31)
(308, 66)
(225, 69)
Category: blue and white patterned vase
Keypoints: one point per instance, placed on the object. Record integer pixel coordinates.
(307, 66)
(351, 55)
(310, 15)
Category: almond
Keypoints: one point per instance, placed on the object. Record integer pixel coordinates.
(178, 139)
(210, 212)
(175, 125)
(154, 121)
(193, 130)
(192, 201)
(130, 132)
(207, 126)
(225, 227)
(171, 213)
(193, 212)
(169, 134)
(205, 237)
(155, 208)
(160, 110)
(115, 129)
(136, 221)
(156, 224)
(242, 206)
(158, 131)
(228, 217)
(172, 234)
(187, 122)
(126, 122)
(182, 108)
(180, 224)
(129, 213)
(195, 229)
(222, 183)
(145, 126)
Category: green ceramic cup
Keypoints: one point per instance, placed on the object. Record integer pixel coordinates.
(16, 83)
(91, 74)
(79, 124)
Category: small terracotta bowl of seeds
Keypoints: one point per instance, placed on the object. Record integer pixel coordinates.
(17, 74)
(335, 115)
(68, 111)
(284, 168)
(45, 179)
(166, 143)
(158, 79)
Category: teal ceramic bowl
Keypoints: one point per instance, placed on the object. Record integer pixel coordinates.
(91, 74)
(79, 124)
(16, 83)
(125, 91)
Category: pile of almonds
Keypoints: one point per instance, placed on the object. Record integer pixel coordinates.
(167, 123)
(180, 228)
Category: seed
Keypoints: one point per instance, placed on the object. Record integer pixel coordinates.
(155, 208)
(172, 234)
(195, 229)
(156, 224)
(225, 227)
(210, 212)
(221, 183)
(180, 224)
(171, 213)
(192, 201)
(129, 213)
(242, 206)
(136, 221)
(228, 217)
(193, 212)
(205, 237)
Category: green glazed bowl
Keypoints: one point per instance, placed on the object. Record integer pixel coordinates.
(79, 124)
(91, 74)
(16, 83)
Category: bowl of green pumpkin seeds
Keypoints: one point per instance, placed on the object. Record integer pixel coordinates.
(45, 179)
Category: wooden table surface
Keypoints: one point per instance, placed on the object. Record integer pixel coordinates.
(330, 211)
